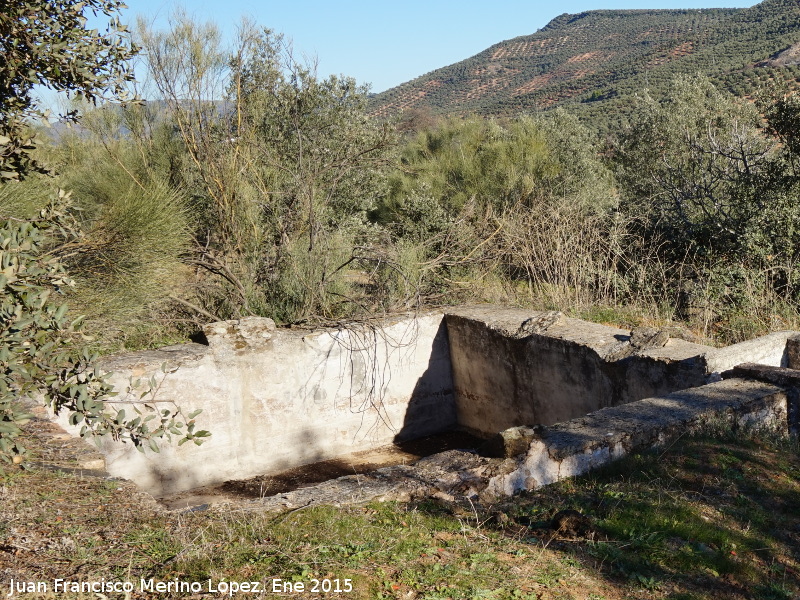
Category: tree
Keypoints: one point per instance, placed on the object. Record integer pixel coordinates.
(46, 42)
(283, 167)
(714, 180)
(37, 354)
(691, 165)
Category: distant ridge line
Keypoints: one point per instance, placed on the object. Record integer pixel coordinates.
(596, 61)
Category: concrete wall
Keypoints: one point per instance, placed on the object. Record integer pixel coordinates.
(770, 349)
(533, 457)
(279, 398)
(575, 447)
(275, 399)
(503, 380)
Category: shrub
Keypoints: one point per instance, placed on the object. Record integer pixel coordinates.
(36, 351)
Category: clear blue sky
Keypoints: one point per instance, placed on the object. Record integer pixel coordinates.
(386, 43)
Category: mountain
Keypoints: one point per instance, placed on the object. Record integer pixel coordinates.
(595, 61)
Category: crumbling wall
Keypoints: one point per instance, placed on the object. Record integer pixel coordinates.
(280, 398)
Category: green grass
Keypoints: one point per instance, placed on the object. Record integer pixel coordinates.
(712, 517)
(720, 512)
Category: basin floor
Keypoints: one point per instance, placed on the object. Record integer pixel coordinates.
(307, 475)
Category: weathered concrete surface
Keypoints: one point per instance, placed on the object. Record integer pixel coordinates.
(770, 349)
(503, 380)
(449, 476)
(788, 379)
(549, 454)
(513, 367)
(575, 447)
(275, 399)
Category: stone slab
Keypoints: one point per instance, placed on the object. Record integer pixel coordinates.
(577, 446)
(770, 349)
(788, 379)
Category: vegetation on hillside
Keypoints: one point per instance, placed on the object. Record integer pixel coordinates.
(715, 179)
(503, 210)
(597, 62)
(254, 188)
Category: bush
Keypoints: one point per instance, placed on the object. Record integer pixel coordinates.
(284, 172)
(36, 351)
(484, 201)
(131, 259)
(717, 186)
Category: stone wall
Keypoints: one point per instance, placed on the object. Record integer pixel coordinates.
(575, 447)
(534, 457)
(515, 367)
(505, 376)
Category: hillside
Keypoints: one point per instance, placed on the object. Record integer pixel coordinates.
(595, 60)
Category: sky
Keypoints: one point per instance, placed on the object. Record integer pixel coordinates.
(386, 43)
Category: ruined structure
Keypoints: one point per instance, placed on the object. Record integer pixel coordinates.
(558, 396)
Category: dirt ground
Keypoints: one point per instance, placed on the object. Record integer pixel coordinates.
(299, 477)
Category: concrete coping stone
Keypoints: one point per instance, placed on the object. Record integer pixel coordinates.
(770, 348)
(604, 339)
(789, 379)
(575, 447)
(507, 321)
(781, 376)
(235, 334)
(675, 350)
(638, 424)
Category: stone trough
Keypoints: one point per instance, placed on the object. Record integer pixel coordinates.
(554, 397)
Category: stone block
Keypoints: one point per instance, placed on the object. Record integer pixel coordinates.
(793, 352)
(788, 379)
(238, 335)
(509, 443)
(575, 447)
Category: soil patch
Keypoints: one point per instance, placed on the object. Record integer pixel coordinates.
(299, 477)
